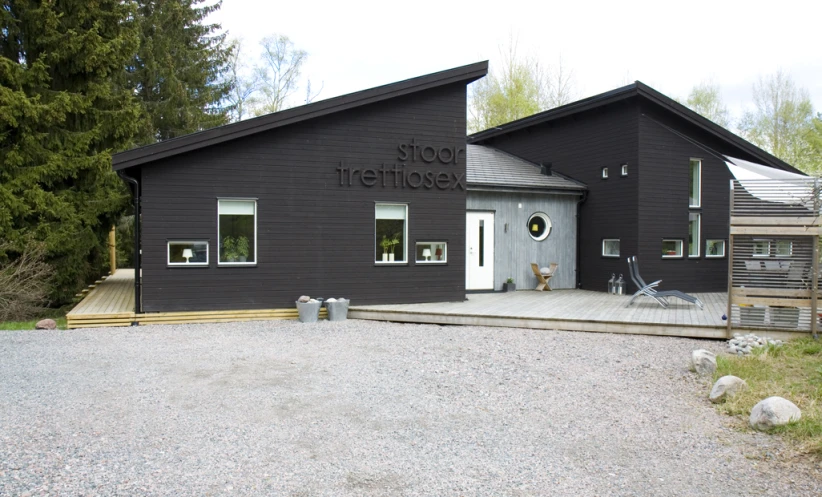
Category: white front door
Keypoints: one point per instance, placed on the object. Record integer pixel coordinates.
(479, 245)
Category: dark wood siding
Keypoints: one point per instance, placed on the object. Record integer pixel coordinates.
(315, 237)
(664, 162)
(580, 146)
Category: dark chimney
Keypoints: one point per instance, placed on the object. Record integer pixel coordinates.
(545, 168)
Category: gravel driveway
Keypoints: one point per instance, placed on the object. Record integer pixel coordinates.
(367, 408)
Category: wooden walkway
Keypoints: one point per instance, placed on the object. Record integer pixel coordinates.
(111, 303)
(574, 310)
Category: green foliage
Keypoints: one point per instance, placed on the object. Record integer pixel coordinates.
(782, 122)
(64, 106)
(705, 99)
(179, 71)
(792, 371)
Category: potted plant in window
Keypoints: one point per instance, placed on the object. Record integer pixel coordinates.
(385, 243)
(509, 285)
(395, 240)
(241, 246)
(229, 248)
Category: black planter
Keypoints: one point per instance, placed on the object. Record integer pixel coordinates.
(509, 287)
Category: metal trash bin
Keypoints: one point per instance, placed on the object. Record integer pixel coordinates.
(338, 310)
(308, 312)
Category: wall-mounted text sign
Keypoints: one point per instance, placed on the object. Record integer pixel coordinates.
(404, 175)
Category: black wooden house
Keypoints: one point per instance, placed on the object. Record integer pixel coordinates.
(657, 179)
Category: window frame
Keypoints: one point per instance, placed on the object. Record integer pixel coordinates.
(431, 243)
(698, 239)
(767, 244)
(549, 226)
(623, 170)
(708, 252)
(698, 204)
(404, 236)
(186, 264)
(679, 243)
(605, 172)
(616, 256)
(219, 241)
(776, 248)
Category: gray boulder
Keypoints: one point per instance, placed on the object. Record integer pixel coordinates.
(46, 324)
(304, 298)
(703, 361)
(725, 388)
(773, 411)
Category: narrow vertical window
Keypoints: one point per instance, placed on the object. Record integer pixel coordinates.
(694, 227)
(237, 230)
(390, 232)
(481, 243)
(695, 200)
(604, 173)
(624, 170)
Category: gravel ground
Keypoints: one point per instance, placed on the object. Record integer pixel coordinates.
(367, 408)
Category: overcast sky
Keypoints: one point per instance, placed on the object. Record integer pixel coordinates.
(355, 45)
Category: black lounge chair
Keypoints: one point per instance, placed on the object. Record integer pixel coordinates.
(650, 290)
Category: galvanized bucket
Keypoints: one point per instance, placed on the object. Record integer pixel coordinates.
(308, 311)
(337, 311)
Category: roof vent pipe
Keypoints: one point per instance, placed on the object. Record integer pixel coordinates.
(545, 168)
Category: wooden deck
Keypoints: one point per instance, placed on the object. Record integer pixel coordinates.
(574, 310)
(111, 303)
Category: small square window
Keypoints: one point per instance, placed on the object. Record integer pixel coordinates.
(624, 170)
(671, 249)
(604, 173)
(715, 248)
(188, 253)
(431, 252)
(784, 248)
(761, 248)
(610, 247)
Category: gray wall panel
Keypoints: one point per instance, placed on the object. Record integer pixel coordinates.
(515, 250)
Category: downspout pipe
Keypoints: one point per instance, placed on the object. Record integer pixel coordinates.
(581, 201)
(136, 197)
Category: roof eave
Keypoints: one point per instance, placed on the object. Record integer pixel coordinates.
(194, 141)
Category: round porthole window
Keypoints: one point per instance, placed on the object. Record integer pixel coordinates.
(539, 226)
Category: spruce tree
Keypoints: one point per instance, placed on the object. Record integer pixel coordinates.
(179, 71)
(64, 107)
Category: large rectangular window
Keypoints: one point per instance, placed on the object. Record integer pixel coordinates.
(390, 229)
(237, 230)
(610, 247)
(695, 199)
(694, 227)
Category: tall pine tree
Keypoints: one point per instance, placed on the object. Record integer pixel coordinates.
(179, 71)
(65, 105)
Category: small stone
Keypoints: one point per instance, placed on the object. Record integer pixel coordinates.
(304, 298)
(46, 324)
(773, 411)
(332, 299)
(703, 361)
(725, 388)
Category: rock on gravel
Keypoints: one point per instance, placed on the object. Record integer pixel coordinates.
(725, 388)
(46, 324)
(703, 362)
(355, 408)
(772, 412)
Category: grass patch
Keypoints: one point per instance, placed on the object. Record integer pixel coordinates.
(792, 371)
(59, 315)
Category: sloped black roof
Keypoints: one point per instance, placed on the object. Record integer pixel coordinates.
(490, 167)
(194, 141)
(641, 90)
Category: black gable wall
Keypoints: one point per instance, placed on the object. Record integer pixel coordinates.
(580, 146)
(315, 236)
(664, 162)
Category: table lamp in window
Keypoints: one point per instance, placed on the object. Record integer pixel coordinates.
(427, 254)
(187, 254)
(438, 253)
